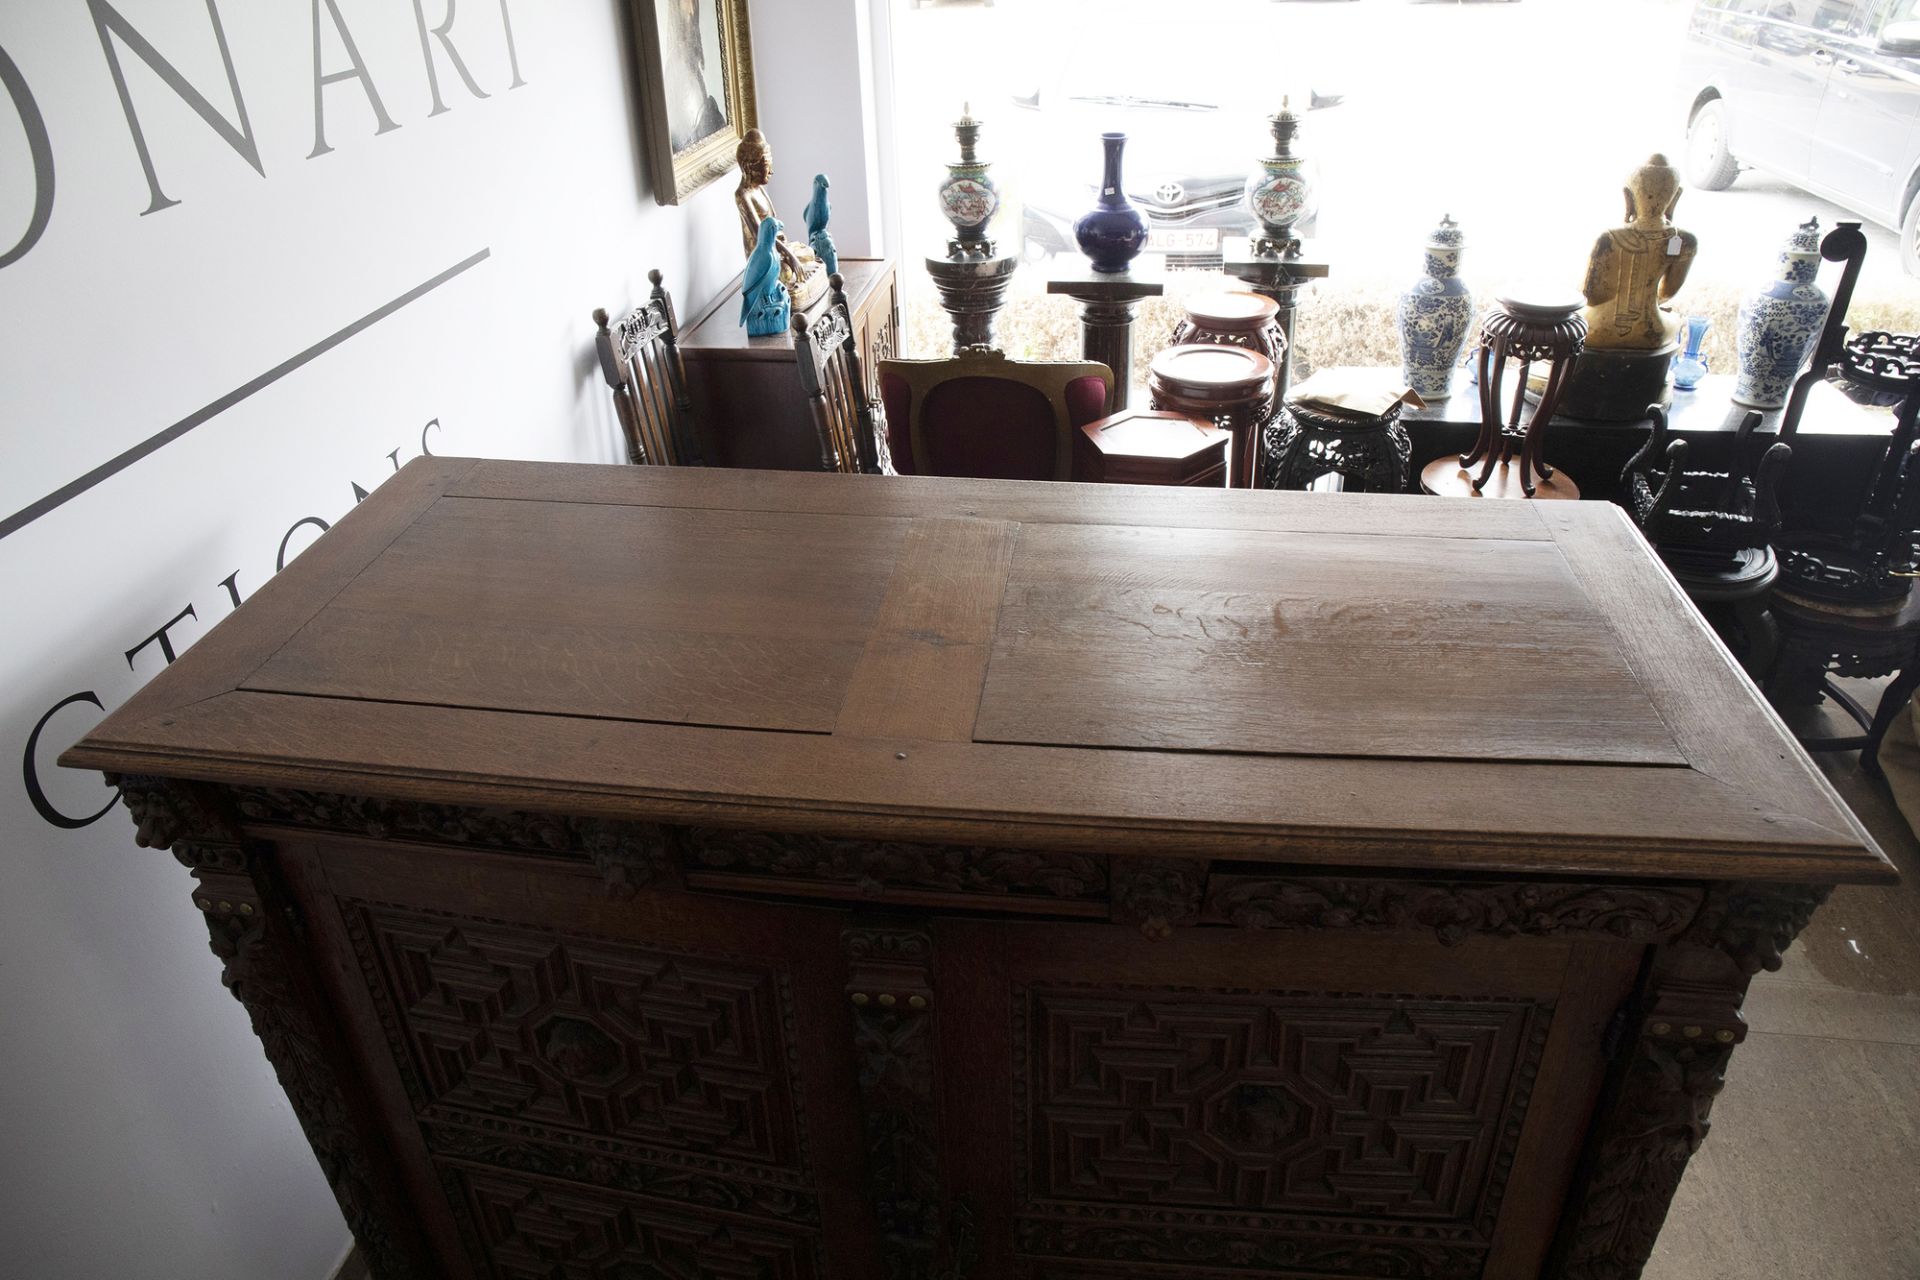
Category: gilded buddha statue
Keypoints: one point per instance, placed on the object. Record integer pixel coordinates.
(1637, 267)
(800, 269)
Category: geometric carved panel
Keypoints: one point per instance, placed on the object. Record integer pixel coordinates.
(665, 1050)
(525, 1230)
(1155, 1123)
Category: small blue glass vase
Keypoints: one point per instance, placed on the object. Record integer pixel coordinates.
(1690, 366)
(1112, 233)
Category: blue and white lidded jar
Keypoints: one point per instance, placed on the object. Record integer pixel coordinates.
(1435, 316)
(1780, 322)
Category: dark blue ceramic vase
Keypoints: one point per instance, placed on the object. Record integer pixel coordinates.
(1111, 233)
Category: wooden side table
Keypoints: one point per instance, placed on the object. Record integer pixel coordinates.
(1151, 446)
(1107, 300)
(1229, 386)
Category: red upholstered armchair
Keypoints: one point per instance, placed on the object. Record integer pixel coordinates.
(980, 414)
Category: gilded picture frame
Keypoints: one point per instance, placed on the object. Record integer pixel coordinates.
(696, 90)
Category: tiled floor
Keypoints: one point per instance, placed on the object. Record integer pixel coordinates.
(1813, 1165)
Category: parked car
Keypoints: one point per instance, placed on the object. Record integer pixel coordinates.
(1824, 94)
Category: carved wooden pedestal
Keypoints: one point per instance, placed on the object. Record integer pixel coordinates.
(972, 291)
(776, 933)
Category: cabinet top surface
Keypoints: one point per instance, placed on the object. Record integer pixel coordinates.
(1354, 680)
(717, 330)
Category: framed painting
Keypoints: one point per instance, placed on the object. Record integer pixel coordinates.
(696, 90)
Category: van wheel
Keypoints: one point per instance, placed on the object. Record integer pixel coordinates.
(1910, 239)
(1710, 166)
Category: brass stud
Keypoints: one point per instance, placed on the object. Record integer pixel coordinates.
(226, 906)
(1691, 1033)
(887, 1002)
(205, 904)
(860, 997)
(1663, 1028)
(916, 1002)
(1724, 1037)
(246, 908)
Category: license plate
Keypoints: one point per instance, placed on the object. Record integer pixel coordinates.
(1184, 240)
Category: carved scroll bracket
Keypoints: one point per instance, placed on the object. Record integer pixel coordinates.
(251, 923)
(1684, 1030)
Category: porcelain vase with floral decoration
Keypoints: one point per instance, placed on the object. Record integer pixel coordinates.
(1779, 323)
(1435, 316)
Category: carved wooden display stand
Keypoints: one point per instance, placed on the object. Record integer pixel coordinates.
(747, 398)
(941, 961)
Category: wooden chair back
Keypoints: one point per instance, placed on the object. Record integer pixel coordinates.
(983, 415)
(844, 416)
(640, 359)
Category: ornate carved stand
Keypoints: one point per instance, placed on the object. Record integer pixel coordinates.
(1846, 602)
(972, 290)
(1530, 332)
(1368, 455)
(1107, 301)
(1278, 274)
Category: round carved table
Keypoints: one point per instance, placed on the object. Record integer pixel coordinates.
(1228, 386)
(1369, 454)
(1234, 318)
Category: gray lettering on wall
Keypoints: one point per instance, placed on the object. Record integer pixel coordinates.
(40, 148)
(165, 640)
(109, 23)
(280, 558)
(37, 796)
(74, 488)
(322, 80)
(513, 55)
(30, 768)
(440, 33)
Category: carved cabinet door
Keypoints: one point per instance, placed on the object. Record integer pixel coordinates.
(1223, 1103)
(591, 1088)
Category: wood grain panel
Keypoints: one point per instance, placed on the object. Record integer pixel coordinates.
(467, 609)
(1201, 639)
(921, 673)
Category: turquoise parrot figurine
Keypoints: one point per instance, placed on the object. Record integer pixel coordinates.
(765, 307)
(819, 239)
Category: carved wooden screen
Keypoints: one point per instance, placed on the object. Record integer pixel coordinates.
(1236, 1109)
(598, 1088)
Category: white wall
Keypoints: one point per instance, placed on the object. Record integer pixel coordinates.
(814, 63)
(142, 1134)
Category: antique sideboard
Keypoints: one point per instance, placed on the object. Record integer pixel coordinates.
(748, 404)
(638, 871)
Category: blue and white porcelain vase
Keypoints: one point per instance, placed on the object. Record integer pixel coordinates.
(1112, 233)
(1435, 316)
(1780, 322)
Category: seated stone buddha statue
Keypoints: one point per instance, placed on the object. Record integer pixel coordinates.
(800, 269)
(1637, 267)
